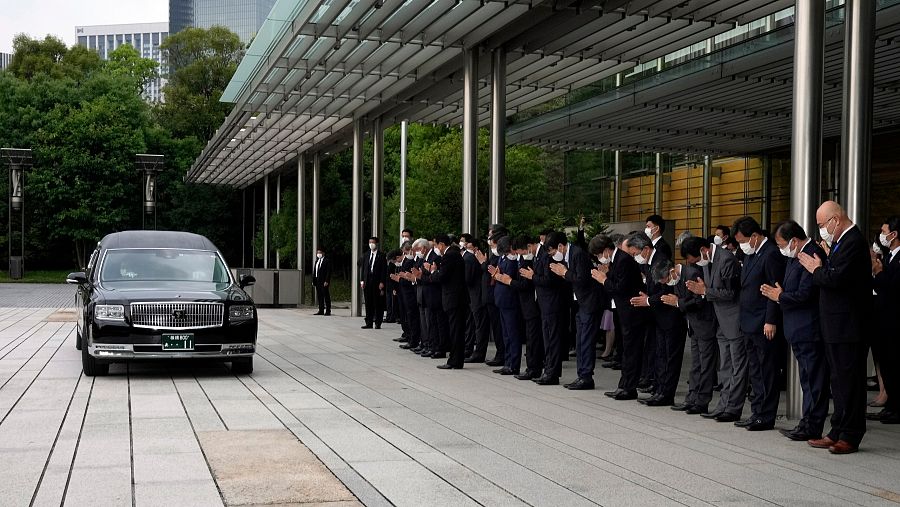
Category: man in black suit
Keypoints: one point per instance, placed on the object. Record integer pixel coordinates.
(760, 318)
(408, 299)
(799, 302)
(434, 310)
(886, 348)
(321, 280)
(655, 227)
(496, 232)
(450, 275)
(552, 299)
(622, 280)
(845, 299)
(374, 274)
(478, 329)
(531, 314)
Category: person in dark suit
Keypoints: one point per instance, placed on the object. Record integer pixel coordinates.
(655, 227)
(592, 300)
(392, 290)
(886, 349)
(434, 310)
(478, 330)
(491, 261)
(408, 299)
(374, 274)
(531, 314)
(450, 276)
(701, 321)
(507, 300)
(420, 248)
(622, 280)
(552, 300)
(760, 319)
(845, 299)
(799, 302)
(321, 280)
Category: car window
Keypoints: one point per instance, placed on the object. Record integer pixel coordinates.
(163, 264)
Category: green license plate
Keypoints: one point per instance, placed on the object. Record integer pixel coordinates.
(184, 341)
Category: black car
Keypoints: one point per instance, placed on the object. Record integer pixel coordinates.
(161, 295)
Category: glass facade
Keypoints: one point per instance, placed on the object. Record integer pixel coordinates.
(243, 17)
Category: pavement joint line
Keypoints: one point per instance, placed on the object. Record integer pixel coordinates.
(462, 465)
(350, 465)
(78, 442)
(19, 398)
(22, 338)
(130, 434)
(213, 405)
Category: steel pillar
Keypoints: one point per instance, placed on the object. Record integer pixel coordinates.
(277, 210)
(404, 127)
(498, 135)
(356, 228)
(377, 179)
(266, 222)
(301, 221)
(617, 188)
(316, 169)
(470, 140)
(806, 148)
(856, 131)
(706, 218)
(657, 186)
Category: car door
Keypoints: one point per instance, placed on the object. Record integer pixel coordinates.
(83, 291)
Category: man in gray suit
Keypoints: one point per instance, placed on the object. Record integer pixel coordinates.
(721, 286)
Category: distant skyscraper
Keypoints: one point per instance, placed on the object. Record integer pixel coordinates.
(145, 37)
(5, 58)
(243, 17)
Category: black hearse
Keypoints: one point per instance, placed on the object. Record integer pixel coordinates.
(162, 295)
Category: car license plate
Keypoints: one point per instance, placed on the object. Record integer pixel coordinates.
(178, 341)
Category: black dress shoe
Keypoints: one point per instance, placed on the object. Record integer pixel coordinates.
(319, 313)
(426, 353)
(473, 359)
(697, 410)
(405, 346)
(622, 394)
(389, 321)
(611, 364)
(400, 339)
(377, 326)
(448, 366)
(745, 422)
(526, 375)
(891, 419)
(682, 407)
(494, 362)
(649, 389)
(799, 435)
(644, 401)
(660, 401)
(759, 425)
(878, 416)
(581, 384)
(725, 417)
(328, 314)
(439, 355)
(366, 326)
(547, 380)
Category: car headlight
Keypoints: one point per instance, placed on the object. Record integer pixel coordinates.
(240, 312)
(109, 312)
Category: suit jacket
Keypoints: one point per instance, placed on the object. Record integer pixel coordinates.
(552, 291)
(451, 278)
(504, 295)
(590, 294)
(374, 273)
(723, 289)
(525, 289)
(431, 290)
(766, 266)
(474, 283)
(663, 248)
(887, 287)
(487, 283)
(845, 289)
(623, 282)
(324, 274)
(665, 316)
(700, 314)
(800, 300)
(406, 287)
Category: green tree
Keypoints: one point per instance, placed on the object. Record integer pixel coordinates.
(50, 57)
(126, 61)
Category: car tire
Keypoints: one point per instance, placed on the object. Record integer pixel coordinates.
(90, 365)
(242, 366)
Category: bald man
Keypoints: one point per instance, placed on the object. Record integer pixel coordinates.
(844, 279)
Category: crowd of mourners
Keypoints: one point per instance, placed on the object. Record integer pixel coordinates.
(739, 298)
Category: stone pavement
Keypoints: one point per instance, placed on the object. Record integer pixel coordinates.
(391, 427)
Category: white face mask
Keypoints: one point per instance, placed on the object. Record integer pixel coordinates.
(403, 240)
(649, 231)
(827, 237)
(319, 255)
(528, 257)
(398, 263)
(747, 249)
(703, 262)
(883, 239)
(418, 255)
(512, 257)
(640, 259)
(373, 246)
(787, 251)
(559, 256)
(604, 260)
(462, 245)
(494, 252)
(409, 256)
(673, 280)
(436, 251)
(717, 240)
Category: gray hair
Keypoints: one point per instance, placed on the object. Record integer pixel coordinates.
(421, 243)
(406, 246)
(617, 239)
(661, 269)
(681, 237)
(638, 240)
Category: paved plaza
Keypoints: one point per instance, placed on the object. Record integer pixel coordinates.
(388, 427)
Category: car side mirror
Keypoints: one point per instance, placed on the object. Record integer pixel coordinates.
(246, 281)
(78, 278)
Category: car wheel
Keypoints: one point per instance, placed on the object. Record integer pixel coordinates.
(242, 366)
(90, 365)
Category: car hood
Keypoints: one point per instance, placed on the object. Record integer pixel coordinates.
(170, 291)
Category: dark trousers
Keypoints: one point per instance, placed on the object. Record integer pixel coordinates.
(390, 302)
(411, 317)
(634, 330)
(847, 363)
(512, 339)
(456, 325)
(704, 363)
(374, 303)
(424, 328)
(650, 363)
(478, 333)
(814, 382)
(617, 350)
(534, 346)
(437, 329)
(763, 371)
(670, 352)
(323, 297)
(493, 316)
(886, 355)
(587, 326)
(552, 335)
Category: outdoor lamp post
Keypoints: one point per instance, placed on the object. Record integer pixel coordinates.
(149, 166)
(19, 161)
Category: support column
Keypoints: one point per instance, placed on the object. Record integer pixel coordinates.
(657, 186)
(301, 222)
(617, 192)
(766, 208)
(316, 168)
(706, 219)
(806, 149)
(404, 127)
(470, 139)
(356, 219)
(277, 209)
(244, 228)
(253, 228)
(498, 135)
(856, 131)
(266, 222)
(378, 179)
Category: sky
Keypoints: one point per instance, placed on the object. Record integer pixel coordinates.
(37, 18)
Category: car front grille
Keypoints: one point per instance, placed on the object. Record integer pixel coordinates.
(177, 315)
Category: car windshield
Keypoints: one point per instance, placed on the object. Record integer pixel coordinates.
(163, 264)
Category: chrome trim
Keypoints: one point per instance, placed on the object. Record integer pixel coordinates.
(126, 351)
(159, 315)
